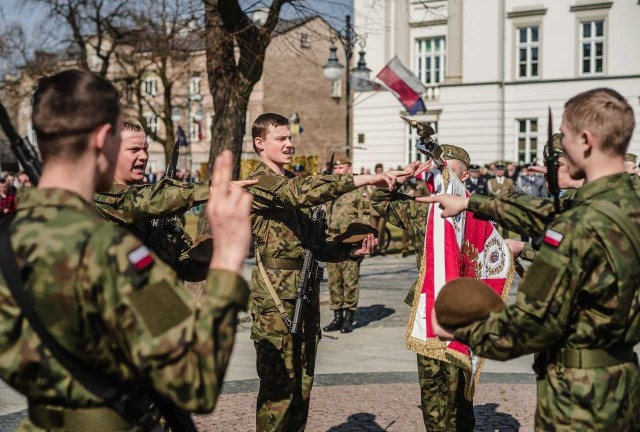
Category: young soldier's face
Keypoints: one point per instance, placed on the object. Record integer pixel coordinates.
(342, 169)
(458, 167)
(276, 146)
(133, 158)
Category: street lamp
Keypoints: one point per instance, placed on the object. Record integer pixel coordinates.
(332, 70)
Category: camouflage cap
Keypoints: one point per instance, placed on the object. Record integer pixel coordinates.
(341, 159)
(557, 149)
(455, 152)
(630, 157)
(355, 233)
(465, 300)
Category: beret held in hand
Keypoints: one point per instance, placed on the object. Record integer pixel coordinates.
(465, 300)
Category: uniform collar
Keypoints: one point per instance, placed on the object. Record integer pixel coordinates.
(603, 185)
(35, 197)
(263, 168)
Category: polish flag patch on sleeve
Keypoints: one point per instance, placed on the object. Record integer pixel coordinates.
(553, 238)
(140, 258)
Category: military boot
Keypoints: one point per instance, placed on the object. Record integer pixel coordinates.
(336, 324)
(347, 326)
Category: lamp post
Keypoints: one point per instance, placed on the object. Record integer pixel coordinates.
(332, 70)
(176, 117)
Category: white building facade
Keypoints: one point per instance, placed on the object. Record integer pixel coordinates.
(492, 68)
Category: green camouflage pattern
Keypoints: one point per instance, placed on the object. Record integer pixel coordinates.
(582, 294)
(282, 210)
(285, 365)
(523, 214)
(444, 407)
(344, 276)
(133, 208)
(402, 211)
(137, 325)
(344, 288)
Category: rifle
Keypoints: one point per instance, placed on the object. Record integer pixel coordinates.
(22, 148)
(552, 168)
(311, 274)
(552, 164)
(171, 169)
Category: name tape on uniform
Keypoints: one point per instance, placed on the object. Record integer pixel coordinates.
(553, 238)
(140, 258)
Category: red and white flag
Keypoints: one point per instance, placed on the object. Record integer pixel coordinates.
(462, 246)
(405, 86)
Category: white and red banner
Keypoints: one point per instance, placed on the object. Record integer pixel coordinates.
(462, 246)
(404, 85)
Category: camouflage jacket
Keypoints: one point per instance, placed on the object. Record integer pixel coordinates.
(282, 208)
(108, 301)
(354, 206)
(402, 211)
(524, 214)
(133, 208)
(583, 294)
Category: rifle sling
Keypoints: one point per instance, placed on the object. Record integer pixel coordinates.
(133, 409)
(274, 295)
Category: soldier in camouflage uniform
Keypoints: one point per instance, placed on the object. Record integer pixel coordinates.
(133, 206)
(577, 308)
(444, 406)
(98, 290)
(282, 209)
(343, 276)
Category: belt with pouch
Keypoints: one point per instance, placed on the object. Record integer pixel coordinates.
(591, 358)
(95, 419)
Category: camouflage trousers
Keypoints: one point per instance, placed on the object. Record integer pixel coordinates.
(343, 284)
(594, 399)
(378, 222)
(285, 365)
(444, 407)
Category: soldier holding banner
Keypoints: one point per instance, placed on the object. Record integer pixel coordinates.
(577, 307)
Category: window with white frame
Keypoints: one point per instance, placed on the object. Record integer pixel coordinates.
(152, 122)
(592, 47)
(431, 59)
(527, 140)
(412, 153)
(528, 51)
(195, 131)
(336, 89)
(304, 40)
(194, 85)
(150, 86)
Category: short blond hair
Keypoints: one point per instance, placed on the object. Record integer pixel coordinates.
(604, 112)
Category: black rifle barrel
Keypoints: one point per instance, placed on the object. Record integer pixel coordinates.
(22, 148)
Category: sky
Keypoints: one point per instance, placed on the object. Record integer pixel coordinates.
(30, 15)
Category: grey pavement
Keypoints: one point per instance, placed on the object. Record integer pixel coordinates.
(366, 380)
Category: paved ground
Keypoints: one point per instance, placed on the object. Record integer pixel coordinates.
(365, 381)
